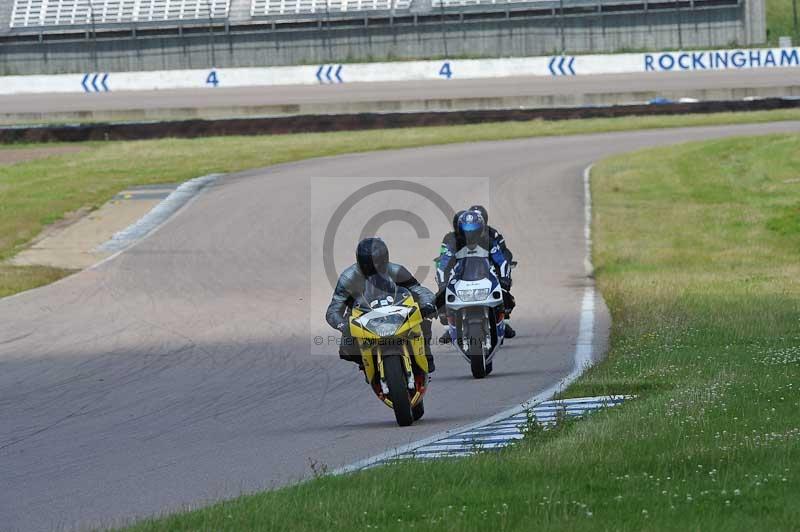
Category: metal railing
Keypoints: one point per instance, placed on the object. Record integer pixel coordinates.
(265, 8)
(44, 13)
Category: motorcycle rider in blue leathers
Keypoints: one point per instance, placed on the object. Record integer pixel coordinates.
(471, 232)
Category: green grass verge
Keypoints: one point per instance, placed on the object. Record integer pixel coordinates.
(696, 249)
(36, 193)
(14, 279)
(780, 21)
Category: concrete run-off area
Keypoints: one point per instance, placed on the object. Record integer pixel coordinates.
(77, 241)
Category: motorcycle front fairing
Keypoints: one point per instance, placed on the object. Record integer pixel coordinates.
(390, 320)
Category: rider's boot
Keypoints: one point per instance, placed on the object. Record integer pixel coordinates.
(351, 354)
(510, 333)
(428, 353)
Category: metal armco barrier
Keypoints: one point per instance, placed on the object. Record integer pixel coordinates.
(363, 121)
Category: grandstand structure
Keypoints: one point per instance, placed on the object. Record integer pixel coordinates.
(50, 16)
(55, 36)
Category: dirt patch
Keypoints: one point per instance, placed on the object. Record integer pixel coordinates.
(18, 155)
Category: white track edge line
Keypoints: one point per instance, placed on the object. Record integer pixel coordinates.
(157, 215)
(162, 223)
(582, 360)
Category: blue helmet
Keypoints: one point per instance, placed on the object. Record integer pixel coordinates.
(472, 227)
(481, 209)
(455, 219)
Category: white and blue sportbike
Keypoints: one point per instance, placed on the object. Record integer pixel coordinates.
(475, 311)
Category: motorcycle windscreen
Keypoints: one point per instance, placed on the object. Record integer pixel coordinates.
(475, 269)
(381, 291)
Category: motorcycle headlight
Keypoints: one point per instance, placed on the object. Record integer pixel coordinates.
(478, 294)
(385, 325)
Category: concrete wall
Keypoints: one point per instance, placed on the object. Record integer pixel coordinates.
(442, 70)
(755, 18)
(708, 27)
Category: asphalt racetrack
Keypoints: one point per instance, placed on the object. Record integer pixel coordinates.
(411, 91)
(183, 371)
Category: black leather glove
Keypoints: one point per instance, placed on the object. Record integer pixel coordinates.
(429, 310)
(505, 283)
(343, 327)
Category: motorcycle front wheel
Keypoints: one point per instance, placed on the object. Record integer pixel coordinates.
(476, 361)
(418, 411)
(398, 389)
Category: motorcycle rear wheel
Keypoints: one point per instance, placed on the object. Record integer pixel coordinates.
(398, 389)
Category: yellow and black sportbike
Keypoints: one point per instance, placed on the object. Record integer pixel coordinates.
(386, 324)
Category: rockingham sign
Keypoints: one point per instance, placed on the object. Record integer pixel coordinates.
(442, 70)
(722, 60)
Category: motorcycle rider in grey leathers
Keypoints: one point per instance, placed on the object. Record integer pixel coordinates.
(372, 259)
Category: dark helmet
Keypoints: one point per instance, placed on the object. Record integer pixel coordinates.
(455, 220)
(372, 256)
(481, 209)
(472, 227)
